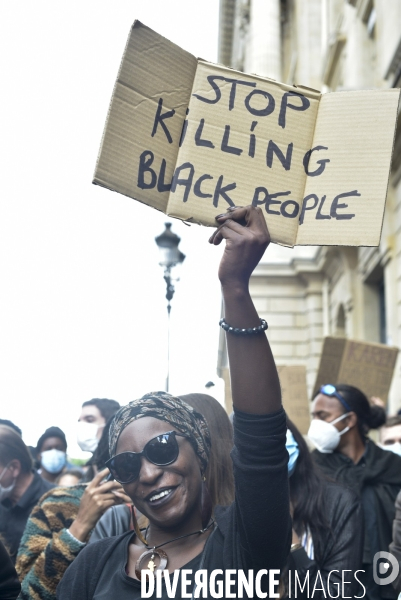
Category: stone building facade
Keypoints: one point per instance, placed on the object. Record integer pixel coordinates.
(308, 293)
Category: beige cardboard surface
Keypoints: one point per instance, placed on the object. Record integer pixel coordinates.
(152, 69)
(330, 362)
(295, 395)
(249, 176)
(367, 366)
(192, 138)
(358, 130)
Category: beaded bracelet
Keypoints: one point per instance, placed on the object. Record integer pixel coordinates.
(262, 327)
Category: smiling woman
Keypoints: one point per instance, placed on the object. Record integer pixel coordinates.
(160, 449)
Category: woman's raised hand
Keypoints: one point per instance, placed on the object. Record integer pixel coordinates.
(254, 381)
(247, 237)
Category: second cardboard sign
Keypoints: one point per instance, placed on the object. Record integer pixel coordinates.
(365, 365)
(191, 138)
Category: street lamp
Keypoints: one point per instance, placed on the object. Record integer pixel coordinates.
(170, 256)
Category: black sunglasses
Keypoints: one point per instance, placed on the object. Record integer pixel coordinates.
(161, 450)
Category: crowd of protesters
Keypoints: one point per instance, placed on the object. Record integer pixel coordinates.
(247, 493)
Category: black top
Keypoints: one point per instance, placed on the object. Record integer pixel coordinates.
(376, 479)
(10, 586)
(395, 546)
(13, 518)
(115, 583)
(253, 533)
(115, 521)
(337, 548)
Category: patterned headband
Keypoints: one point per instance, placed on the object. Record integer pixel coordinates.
(171, 409)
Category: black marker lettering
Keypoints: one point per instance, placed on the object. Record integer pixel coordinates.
(268, 199)
(187, 183)
(305, 206)
(159, 118)
(198, 140)
(322, 162)
(285, 104)
(319, 215)
(335, 206)
(252, 141)
(145, 160)
(285, 205)
(212, 80)
(234, 89)
(222, 191)
(272, 148)
(161, 185)
(264, 112)
(224, 144)
(197, 187)
(184, 130)
(255, 199)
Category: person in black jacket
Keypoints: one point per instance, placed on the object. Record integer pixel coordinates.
(160, 445)
(327, 527)
(395, 546)
(342, 417)
(20, 488)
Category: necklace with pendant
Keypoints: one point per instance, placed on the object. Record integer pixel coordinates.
(148, 557)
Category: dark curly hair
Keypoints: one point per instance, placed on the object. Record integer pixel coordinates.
(369, 417)
(306, 489)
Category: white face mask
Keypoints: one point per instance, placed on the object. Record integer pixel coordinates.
(53, 460)
(5, 492)
(324, 435)
(86, 436)
(396, 448)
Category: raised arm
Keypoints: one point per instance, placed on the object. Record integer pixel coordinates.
(260, 513)
(254, 380)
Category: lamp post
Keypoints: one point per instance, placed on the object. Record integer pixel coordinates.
(170, 256)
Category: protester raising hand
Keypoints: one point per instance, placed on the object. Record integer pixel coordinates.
(160, 451)
(97, 498)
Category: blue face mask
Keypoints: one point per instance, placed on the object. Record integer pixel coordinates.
(53, 460)
(293, 452)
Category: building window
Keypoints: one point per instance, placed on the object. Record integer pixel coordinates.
(375, 322)
(340, 322)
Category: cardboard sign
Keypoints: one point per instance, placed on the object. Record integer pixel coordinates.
(295, 395)
(367, 366)
(191, 138)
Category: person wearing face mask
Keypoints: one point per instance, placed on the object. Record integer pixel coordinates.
(20, 488)
(51, 452)
(94, 415)
(342, 417)
(327, 525)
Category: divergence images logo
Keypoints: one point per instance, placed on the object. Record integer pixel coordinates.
(385, 571)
